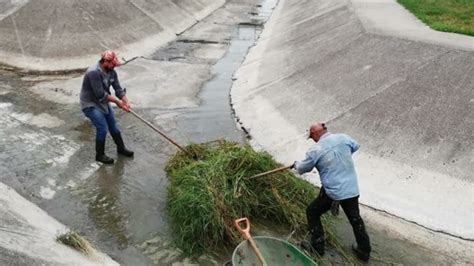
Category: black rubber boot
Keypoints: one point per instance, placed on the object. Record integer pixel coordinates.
(100, 154)
(308, 246)
(318, 244)
(121, 146)
(362, 246)
(361, 254)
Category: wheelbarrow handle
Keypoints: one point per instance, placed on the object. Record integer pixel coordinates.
(244, 231)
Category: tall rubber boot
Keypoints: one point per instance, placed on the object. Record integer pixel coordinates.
(318, 244)
(361, 254)
(121, 146)
(362, 249)
(100, 154)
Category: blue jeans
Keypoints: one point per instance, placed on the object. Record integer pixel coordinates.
(102, 122)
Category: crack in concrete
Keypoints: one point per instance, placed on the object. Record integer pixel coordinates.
(418, 224)
(145, 13)
(18, 37)
(199, 41)
(253, 24)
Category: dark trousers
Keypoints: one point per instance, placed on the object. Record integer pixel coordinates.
(102, 122)
(351, 208)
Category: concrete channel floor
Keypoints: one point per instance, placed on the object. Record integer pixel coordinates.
(122, 207)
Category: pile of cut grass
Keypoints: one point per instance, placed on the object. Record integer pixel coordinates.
(76, 241)
(444, 15)
(207, 195)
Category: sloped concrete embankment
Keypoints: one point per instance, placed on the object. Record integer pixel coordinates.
(60, 35)
(28, 236)
(409, 104)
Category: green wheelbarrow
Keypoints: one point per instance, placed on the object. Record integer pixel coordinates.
(263, 250)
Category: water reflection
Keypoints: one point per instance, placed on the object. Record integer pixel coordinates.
(105, 208)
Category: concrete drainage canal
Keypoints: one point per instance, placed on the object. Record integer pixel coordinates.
(121, 208)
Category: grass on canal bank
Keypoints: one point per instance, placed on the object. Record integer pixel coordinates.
(206, 195)
(444, 15)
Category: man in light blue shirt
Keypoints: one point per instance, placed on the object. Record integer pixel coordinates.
(331, 155)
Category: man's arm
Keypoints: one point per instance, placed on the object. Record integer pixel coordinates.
(353, 144)
(307, 164)
(120, 93)
(95, 80)
(117, 101)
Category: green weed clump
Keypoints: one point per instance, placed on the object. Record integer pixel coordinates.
(207, 195)
(74, 240)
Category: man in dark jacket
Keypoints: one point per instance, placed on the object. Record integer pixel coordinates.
(95, 97)
(332, 157)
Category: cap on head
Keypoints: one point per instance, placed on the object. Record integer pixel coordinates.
(111, 56)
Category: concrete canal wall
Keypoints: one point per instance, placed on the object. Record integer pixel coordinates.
(59, 35)
(408, 99)
(28, 236)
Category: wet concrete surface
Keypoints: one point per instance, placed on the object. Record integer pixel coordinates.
(120, 208)
(213, 119)
(7, 256)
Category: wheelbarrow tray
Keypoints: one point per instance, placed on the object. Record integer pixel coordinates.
(275, 252)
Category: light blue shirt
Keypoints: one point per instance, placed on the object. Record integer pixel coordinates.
(332, 157)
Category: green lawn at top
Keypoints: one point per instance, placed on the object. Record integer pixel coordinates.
(206, 195)
(444, 15)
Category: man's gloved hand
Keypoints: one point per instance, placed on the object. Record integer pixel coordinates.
(293, 165)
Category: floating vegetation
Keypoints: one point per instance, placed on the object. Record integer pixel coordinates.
(74, 240)
(207, 195)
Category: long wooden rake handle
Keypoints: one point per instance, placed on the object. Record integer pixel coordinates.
(272, 171)
(161, 133)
